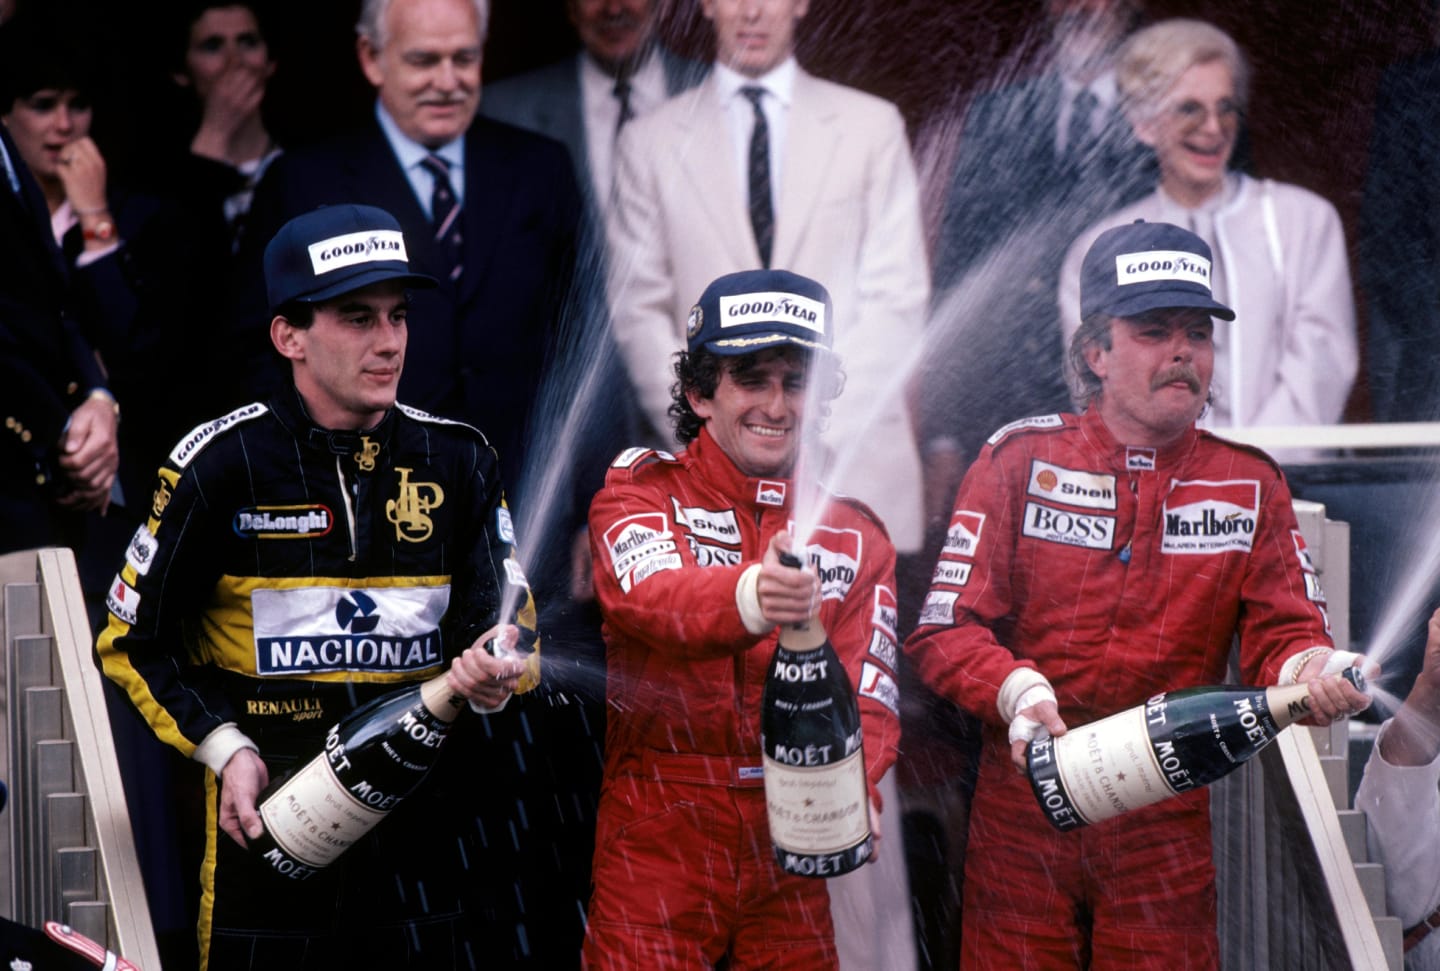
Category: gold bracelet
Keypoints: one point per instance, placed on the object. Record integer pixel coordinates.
(1304, 658)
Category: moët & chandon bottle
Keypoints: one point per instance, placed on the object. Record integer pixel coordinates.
(1176, 741)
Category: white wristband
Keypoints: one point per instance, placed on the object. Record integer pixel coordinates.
(1017, 685)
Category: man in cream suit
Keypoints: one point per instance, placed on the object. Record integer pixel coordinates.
(844, 210)
(764, 165)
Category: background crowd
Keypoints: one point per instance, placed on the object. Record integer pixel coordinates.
(930, 162)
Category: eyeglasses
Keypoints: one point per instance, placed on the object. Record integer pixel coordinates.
(1190, 113)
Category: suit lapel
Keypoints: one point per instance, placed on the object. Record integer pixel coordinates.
(706, 157)
(811, 143)
(490, 186)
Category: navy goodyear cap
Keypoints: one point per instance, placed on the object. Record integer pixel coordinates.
(754, 309)
(1147, 266)
(334, 250)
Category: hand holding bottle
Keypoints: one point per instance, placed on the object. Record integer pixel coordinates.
(488, 671)
(1332, 697)
(787, 594)
(240, 783)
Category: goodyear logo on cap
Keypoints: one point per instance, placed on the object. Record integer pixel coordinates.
(1175, 266)
(771, 308)
(381, 245)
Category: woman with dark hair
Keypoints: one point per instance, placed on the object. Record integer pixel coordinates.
(225, 60)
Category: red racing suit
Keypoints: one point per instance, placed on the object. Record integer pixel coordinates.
(1117, 572)
(684, 871)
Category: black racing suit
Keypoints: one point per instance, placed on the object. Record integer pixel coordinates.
(286, 575)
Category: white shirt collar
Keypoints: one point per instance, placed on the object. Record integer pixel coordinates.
(411, 152)
(779, 82)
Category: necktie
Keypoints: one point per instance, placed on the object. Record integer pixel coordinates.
(622, 95)
(762, 213)
(445, 215)
(1082, 123)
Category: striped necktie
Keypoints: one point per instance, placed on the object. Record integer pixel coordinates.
(762, 212)
(445, 216)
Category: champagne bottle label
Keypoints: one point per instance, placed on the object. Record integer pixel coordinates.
(313, 818)
(819, 820)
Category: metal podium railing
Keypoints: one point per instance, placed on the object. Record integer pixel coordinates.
(1296, 889)
(65, 841)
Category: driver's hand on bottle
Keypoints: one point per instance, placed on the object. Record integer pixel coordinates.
(487, 679)
(241, 781)
(1332, 698)
(1033, 721)
(787, 594)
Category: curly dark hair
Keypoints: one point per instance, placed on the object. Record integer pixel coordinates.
(700, 370)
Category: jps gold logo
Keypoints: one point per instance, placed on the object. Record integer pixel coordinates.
(161, 498)
(408, 510)
(365, 458)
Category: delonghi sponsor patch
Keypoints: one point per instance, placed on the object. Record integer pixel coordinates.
(951, 573)
(639, 545)
(835, 554)
(1211, 517)
(310, 630)
(123, 600)
(1139, 459)
(1153, 265)
(382, 245)
(963, 536)
(939, 608)
(283, 522)
(1068, 528)
(141, 551)
(887, 611)
(505, 526)
(764, 308)
(713, 524)
(191, 444)
(1091, 490)
(1038, 421)
(769, 493)
(883, 647)
(876, 683)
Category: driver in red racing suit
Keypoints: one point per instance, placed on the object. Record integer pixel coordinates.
(1090, 563)
(691, 590)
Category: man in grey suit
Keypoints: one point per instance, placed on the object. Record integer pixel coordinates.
(620, 72)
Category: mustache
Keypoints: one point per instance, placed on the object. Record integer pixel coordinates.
(1179, 372)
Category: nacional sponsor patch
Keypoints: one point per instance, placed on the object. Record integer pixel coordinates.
(350, 249)
(884, 648)
(963, 536)
(1092, 490)
(639, 545)
(1068, 528)
(123, 600)
(887, 611)
(311, 630)
(1036, 421)
(875, 682)
(835, 554)
(719, 525)
(1168, 265)
(141, 551)
(1139, 459)
(283, 522)
(768, 307)
(770, 493)
(505, 526)
(1202, 517)
(951, 573)
(939, 608)
(195, 440)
